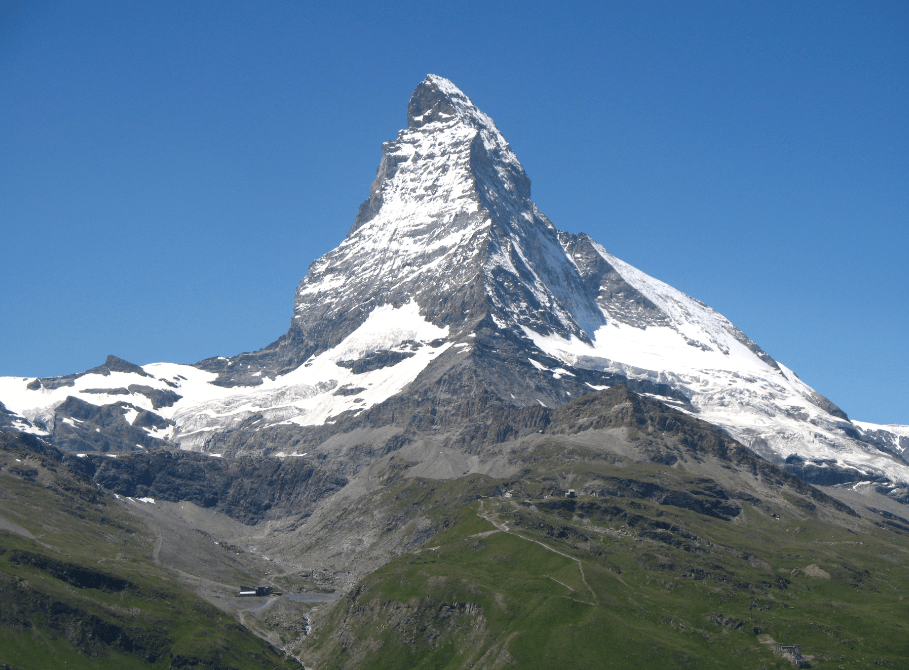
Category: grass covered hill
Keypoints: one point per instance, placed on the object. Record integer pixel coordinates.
(634, 537)
(79, 587)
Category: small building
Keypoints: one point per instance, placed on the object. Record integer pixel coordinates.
(794, 653)
(260, 591)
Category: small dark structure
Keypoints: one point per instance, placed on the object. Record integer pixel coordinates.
(260, 591)
(794, 652)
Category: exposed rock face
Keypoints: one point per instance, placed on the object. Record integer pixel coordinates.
(82, 426)
(74, 575)
(23, 443)
(112, 364)
(8, 419)
(245, 489)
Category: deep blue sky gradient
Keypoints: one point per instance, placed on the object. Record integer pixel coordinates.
(169, 170)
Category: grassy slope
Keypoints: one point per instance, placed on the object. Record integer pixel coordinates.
(83, 591)
(634, 584)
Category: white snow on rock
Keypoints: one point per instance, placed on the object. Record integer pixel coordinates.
(304, 396)
(701, 354)
(430, 211)
(895, 429)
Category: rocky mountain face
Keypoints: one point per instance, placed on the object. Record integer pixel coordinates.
(246, 489)
(452, 291)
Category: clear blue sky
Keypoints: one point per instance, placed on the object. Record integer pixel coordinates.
(169, 170)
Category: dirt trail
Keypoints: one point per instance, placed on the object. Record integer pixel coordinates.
(562, 583)
(491, 518)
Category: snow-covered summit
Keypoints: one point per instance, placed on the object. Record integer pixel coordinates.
(451, 283)
(448, 223)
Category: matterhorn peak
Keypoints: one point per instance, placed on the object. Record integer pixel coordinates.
(449, 151)
(450, 287)
(437, 100)
(448, 223)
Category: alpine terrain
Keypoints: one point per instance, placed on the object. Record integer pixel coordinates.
(482, 442)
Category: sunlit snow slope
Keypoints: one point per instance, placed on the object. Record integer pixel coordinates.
(728, 379)
(326, 385)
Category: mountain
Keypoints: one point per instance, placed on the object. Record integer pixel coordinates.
(452, 285)
(481, 442)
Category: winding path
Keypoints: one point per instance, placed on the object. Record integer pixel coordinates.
(502, 527)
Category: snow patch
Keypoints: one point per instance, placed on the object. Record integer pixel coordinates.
(597, 388)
